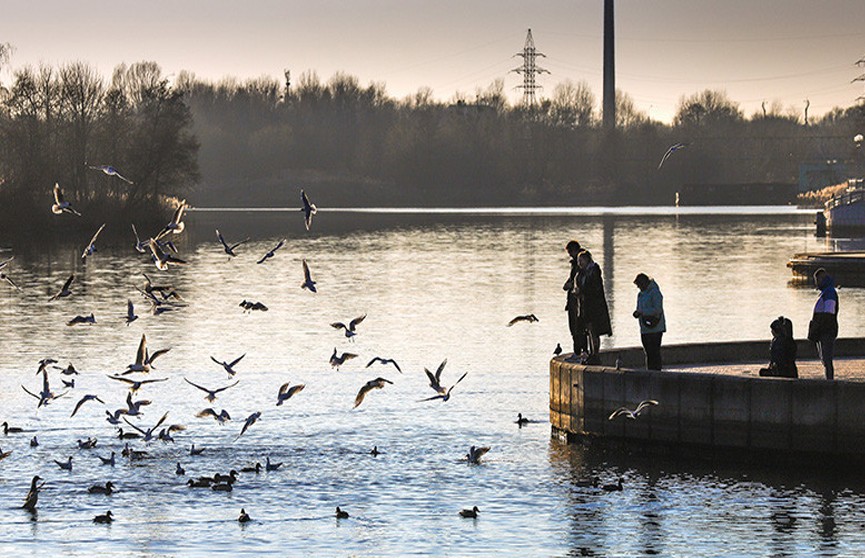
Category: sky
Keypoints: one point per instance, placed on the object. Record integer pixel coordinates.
(781, 51)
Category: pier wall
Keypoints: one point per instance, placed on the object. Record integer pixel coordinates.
(711, 410)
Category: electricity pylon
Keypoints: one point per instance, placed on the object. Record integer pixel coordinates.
(529, 70)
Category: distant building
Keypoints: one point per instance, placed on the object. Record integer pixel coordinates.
(814, 175)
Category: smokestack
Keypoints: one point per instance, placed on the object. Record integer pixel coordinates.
(609, 107)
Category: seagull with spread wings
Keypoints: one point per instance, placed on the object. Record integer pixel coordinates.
(271, 252)
(444, 396)
(60, 204)
(143, 358)
(163, 259)
(672, 149)
(632, 414)
(378, 383)
(176, 225)
(384, 361)
(285, 392)
(351, 328)
(308, 283)
(530, 318)
(250, 420)
(209, 412)
(229, 366)
(337, 361)
(110, 171)
(5, 277)
(229, 249)
(83, 400)
(91, 246)
(211, 393)
(308, 209)
(135, 385)
(64, 290)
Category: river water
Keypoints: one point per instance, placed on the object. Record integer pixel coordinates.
(434, 285)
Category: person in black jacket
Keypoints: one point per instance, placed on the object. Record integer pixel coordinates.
(782, 350)
(593, 304)
(575, 323)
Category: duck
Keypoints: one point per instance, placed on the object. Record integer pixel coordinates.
(107, 460)
(472, 513)
(10, 429)
(521, 421)
(588, 483)
(34, 442)
(133, 454)
(127, 435)
(230, 478)
(222, 487)
(253, 469)
(108, 489)
(340, 514)
(65, 465)
(243, 517)
(268, 466)
(33, 495)
(374, 451)
(195, 451)
(613, 487)
(199, 483)
(107, 517)
(179, 470)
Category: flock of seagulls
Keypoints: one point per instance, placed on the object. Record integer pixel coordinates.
(163, 298)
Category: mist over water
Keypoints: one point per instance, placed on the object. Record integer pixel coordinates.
(433, 286)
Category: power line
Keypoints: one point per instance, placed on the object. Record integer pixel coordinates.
(529, 70)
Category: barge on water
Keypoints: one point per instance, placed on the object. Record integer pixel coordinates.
(712, 402)
(847, 268)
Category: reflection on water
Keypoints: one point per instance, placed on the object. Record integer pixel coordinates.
(433, 286)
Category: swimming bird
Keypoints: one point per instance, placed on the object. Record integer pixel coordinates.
(10, 429)
(87, 444)
(308, 209)
(374, 451)
(229, 249)
(176, 225)
(91, 246)
(530, 318)
(4, 454)
(65, 465)
(250, 420)
(143, 358)
(209, 412)
(286, 392)
(337, 361)
(107, 517)
(222, 487)
(108, 489)
(229, 366)
(91, 319)
(521, 421)
(83, 400)
(179, 470)
(632, 415)
(308, 283)
(135, 385)
(148, 433)
(475, 453)
(447, 394)
(350, 330)
(613, 487)
(558, 350)
(243, 517)
(131, 454)
(60, 204)
(32, 497)
(211, 393)
(378, 383)
(588, 483)
(384, 361)
(195, 451)
(471, 514)
(107, 460)
(127, 435)
(268, 466)
(271, 252)
(672, 149)
(199, 483)
(130, 312)
(34, 442)
(64, 290)
(341, 514)
(162, 259)
(252, 469)
(110, 171)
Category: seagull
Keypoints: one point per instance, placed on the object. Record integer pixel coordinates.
(4, 454)
(384, 361)
(114, 418)
(435, 379)
(341, 514)
(475, 453)
(9, 280)
(141, 246)
(632, 415)
(673, 148)
(209, 412)
(530, 318)
(91, 246)
(65, 465)
(143, 358)
(248, 306)
(33, 495)
(350, 329)
(107, 460)
(229, 249)
(195, 451)
(165, 291)
(82, 320)
(107, 517)
(69, 384)
(243, 517)
(250, 420)
(176, 225)
(272, 252)
(163, 259)
(308, 209)
(87, 444)
(34, 442)
(148, 434)
(135, 385)
(308, 283)
(337, 361)
(68, 371)
(229, 366)
(83, 400)
(46, 395)
(211, 393)
(61, 205)
(110, 171)
(378, 383)
(130, 312)
(64, 291)
(268, 466)
(100, 489)
(5, 262)
(285, 392)
(471, 514)
(134, 407)
(447, 394)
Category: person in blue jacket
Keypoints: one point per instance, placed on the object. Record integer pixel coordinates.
(823, 328)
(650, 313)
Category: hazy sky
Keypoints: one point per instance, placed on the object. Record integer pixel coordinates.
(773, 50)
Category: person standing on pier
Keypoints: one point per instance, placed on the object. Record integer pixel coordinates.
(653, 324)
(593, 304)
(823, 328)
(572, 306)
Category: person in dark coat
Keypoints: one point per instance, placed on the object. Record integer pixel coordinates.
(653, 323)
(823, 328)
(782, 350)
(572, 306)
(593, 304)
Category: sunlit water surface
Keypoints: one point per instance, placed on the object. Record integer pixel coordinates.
(433, 286)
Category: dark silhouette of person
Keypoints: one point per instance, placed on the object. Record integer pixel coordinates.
(782, 350)
(823, 328)
(653, 323)
(593, 304)
(572, 306)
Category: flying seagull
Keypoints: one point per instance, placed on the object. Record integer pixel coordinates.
(272, 252)
(176, 225)
(632, 415)
(308, 209)
(350, 329)
(209, 412)
(91, 319)
(5, 277)
(337, 361)
(211, 393)
(91, 246)
(229, 249)
(286, 392)
(83, 400)
(673, 148)
(308, 283)
(130, 312)
(163, 259)
(378, 383)
(447, 394)
(229, 366)
(530, 318)
(60, 204)
(384, 361)
(110, 171)
(143, 358)
(135, 385)
(250, 420)
(64, 291)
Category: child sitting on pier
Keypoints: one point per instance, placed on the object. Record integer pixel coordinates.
(782, 350)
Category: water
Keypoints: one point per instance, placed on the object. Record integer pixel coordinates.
(434, 285)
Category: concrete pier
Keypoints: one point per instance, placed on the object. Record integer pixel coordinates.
(712, 400)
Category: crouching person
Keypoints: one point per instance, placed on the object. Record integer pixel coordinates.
(782, 350)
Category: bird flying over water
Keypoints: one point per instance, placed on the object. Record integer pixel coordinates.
(209, 412)
(91, 319)
(378, 383)
(384, 361)
(308, 283)
(5, 277)
(163, 259)
(143, 358)
(308, 209)
(250, 420)
(286, 392)
(229, 249)
(60, 204)
(632, 414)
(530, 318)
(350, 330)
(83, 400)
(672, 149)
(435, 379)
(148, 434)
(444, 396)
(211, 393)
(176, 225)
(337, 361)
(130, 312)
(272, 252)
(135, 385)
(91, 246)
(64, 290)
(248, 306)
(229, 366)
(110, 171)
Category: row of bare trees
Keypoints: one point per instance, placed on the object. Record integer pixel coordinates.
(57, 122)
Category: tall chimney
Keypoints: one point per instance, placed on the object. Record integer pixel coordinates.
(609, 68)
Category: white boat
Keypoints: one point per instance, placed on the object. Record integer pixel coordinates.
(846, 211)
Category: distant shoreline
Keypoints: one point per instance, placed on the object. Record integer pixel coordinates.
(532, 211)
